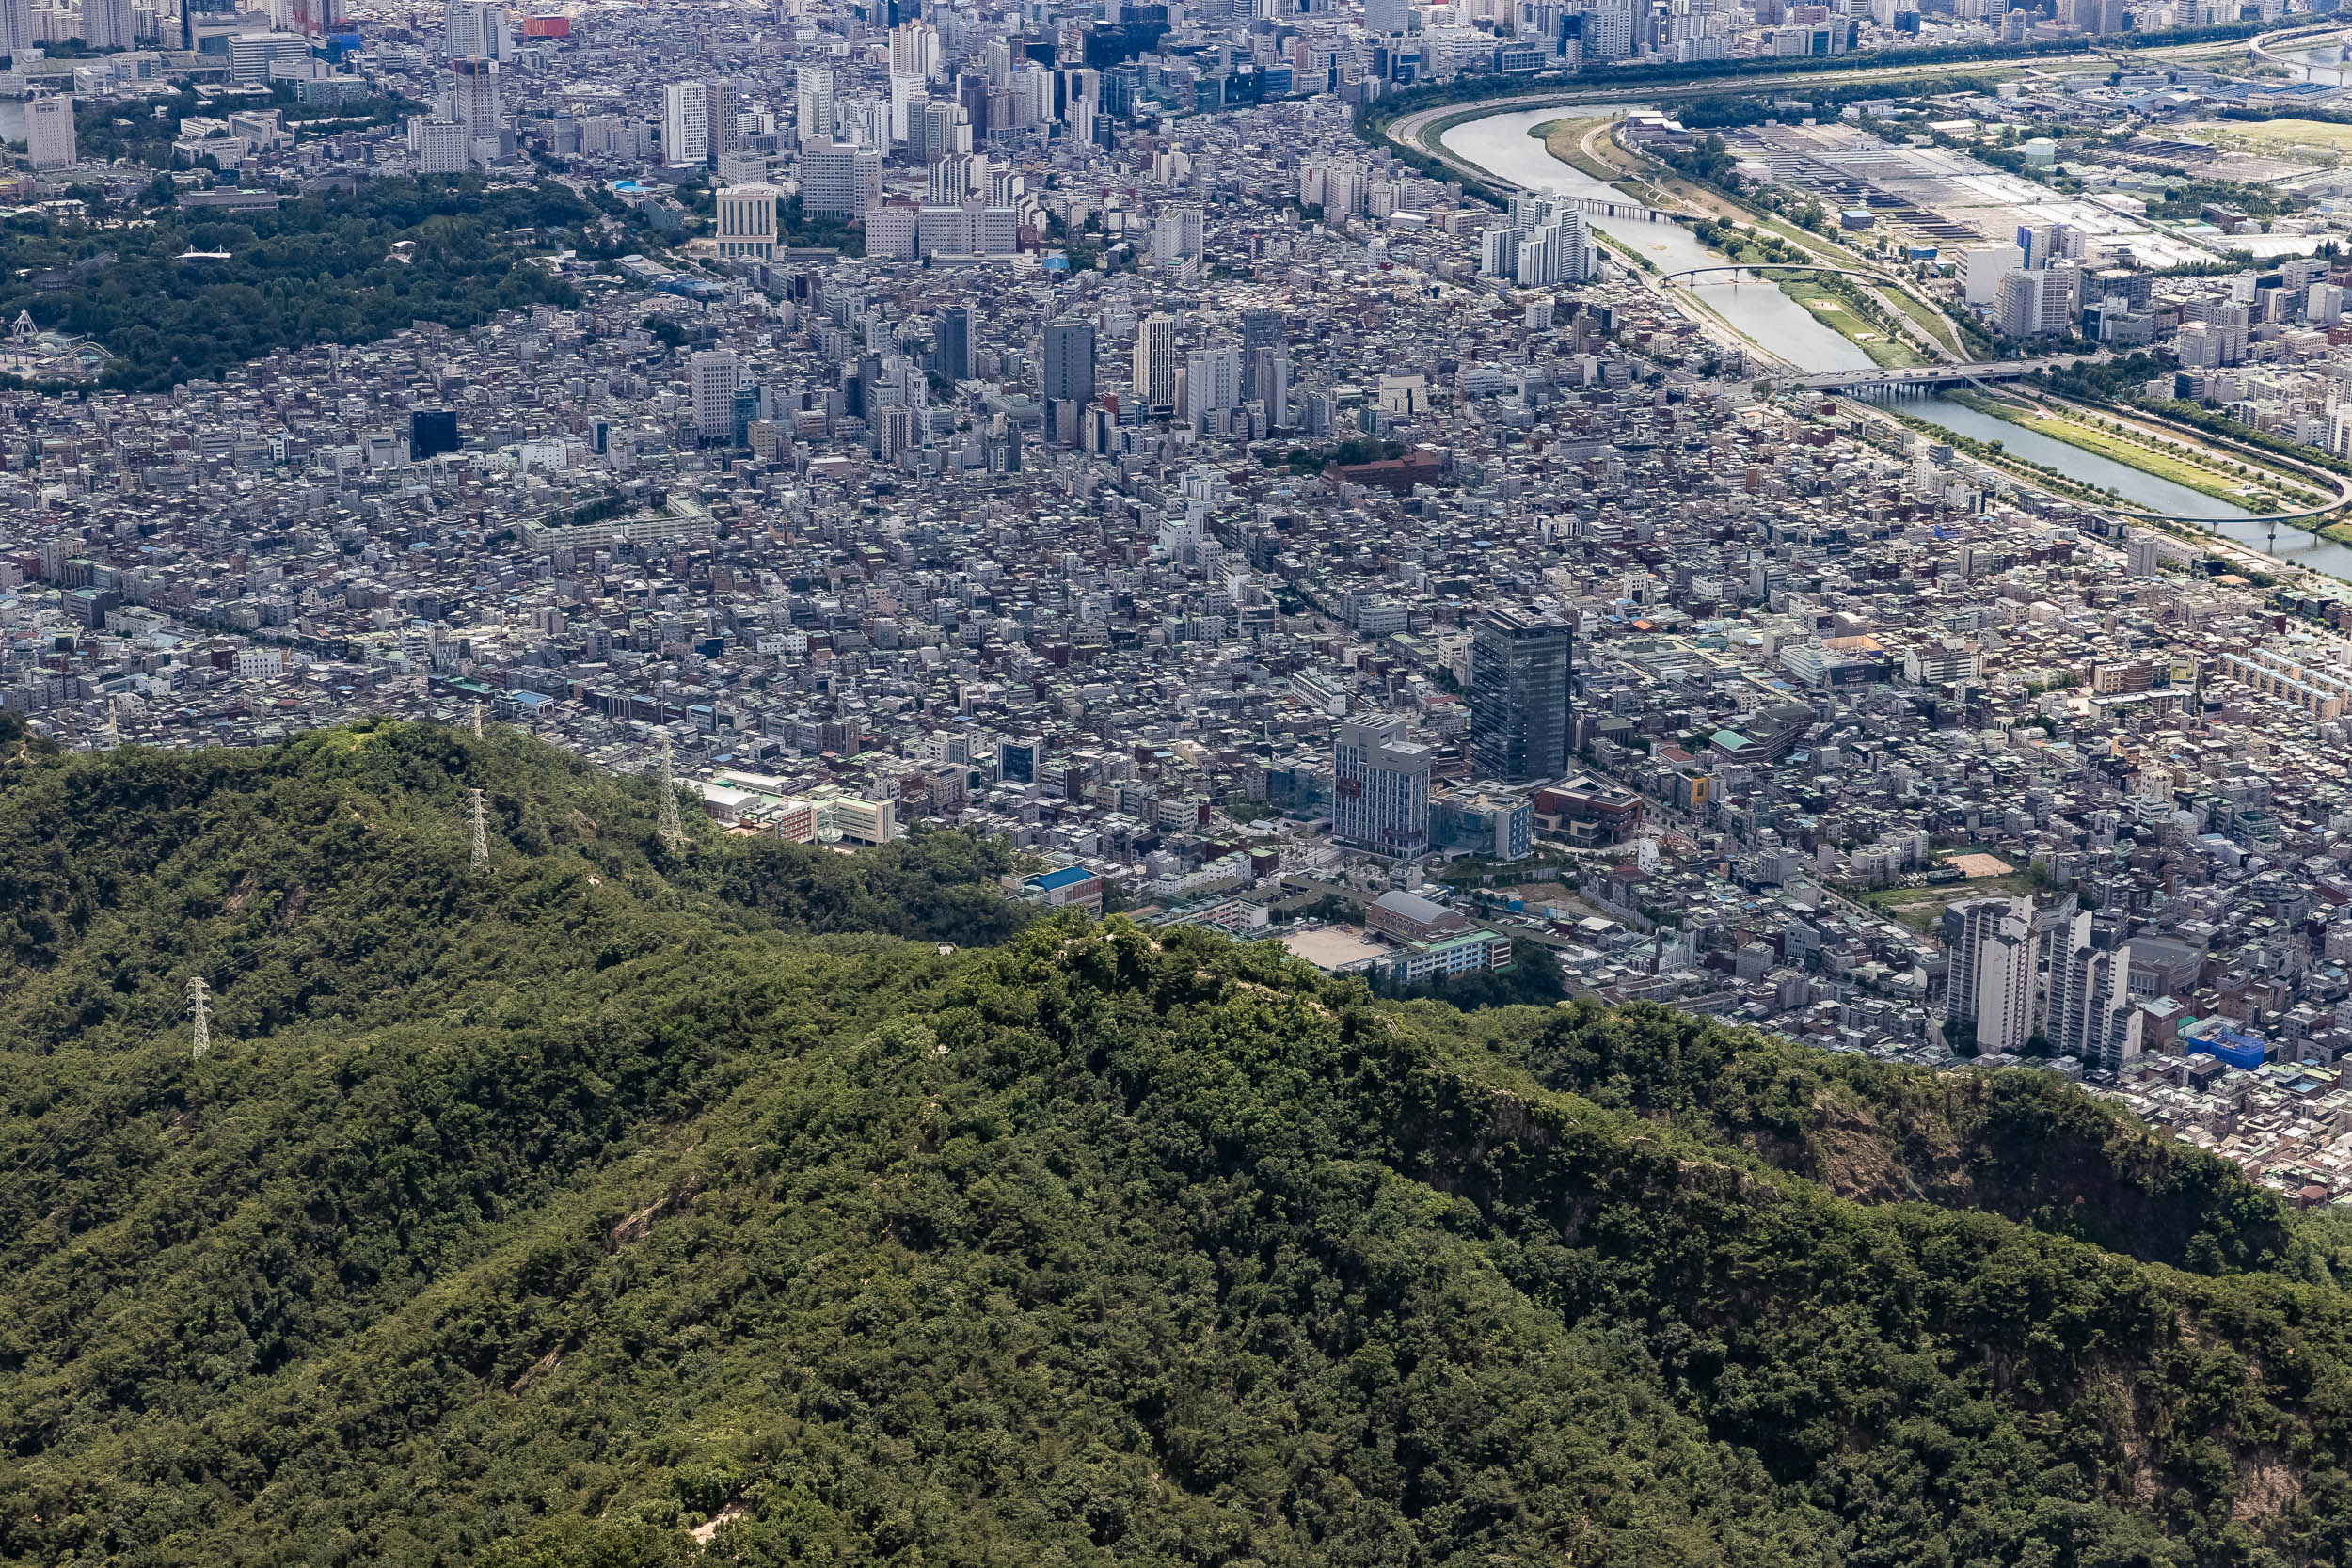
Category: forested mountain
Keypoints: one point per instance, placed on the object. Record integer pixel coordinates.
(555, 1213)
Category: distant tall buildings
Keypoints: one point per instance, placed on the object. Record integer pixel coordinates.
(1380, 788)
(812, 102)
(713, 374)
(951, 342)
(686, 139)
(1069, 377)
(17, 35)
(1542, 243)
(109, 25)
(838, 180)
(1521, 675)
(2019, 981)
(1155, 362)
(475, 30)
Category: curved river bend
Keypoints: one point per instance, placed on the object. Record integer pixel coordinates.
(1500, 144)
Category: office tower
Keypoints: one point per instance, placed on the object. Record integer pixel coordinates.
(718, 120)
(476, 96)
(1520, 695)
(746, 220)
(1259, 329)
(475, 30)
(432, 432)
(1212, 381)
(913, 49)
(838, 180)
(1387, 18)
(1266, 381)
(49, 130)
(1069, 362)
(713, 373)
(1176, 236)
(1155, 361)
(439, 144)
(951, 341)
(812, 102)
(685, 123)
(2089, 1013)
(1380, 788)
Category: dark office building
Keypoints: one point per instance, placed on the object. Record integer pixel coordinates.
(953, 344)
(1259, 329)
(431, 432)
(1069, 362)
(1520, 681)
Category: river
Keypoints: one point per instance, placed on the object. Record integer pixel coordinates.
(1501, 145)
(2295, 547)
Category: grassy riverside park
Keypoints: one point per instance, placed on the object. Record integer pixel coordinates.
(2170, 464)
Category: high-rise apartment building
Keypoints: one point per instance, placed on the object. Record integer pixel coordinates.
(1380, 788)
(108, 25)
(713, 373)
(1521, 675)
(2088, 1012)
(1155, 362)
(437, 144)
(475, 30)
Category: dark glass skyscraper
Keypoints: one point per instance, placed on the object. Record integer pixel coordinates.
(1519, 675)
(1069, 362)
(954, 343)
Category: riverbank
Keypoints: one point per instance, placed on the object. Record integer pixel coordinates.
(2238, 484)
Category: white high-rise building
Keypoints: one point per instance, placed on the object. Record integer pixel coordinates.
(1212, 381)
(1155, 361)
(714, 374)
(477, 96)
(49, 130)
(108, 25)
(437, 144)
(475, 30)
(812, 99)
(686, 123)
(2005, 980)
(1388, 17)
(2088, 1014)
(913, 49)
(17, 38)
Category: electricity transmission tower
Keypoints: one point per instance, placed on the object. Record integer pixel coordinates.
(201, 1032)
(481, 832)
(672, 834)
